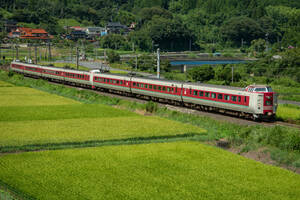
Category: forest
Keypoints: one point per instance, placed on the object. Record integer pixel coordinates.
(173, 25)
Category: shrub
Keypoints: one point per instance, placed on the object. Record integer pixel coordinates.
(151, 107)
(113, 56)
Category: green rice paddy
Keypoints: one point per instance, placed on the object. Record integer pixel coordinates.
(82, 130)
(5, 84)
(168, 170)
(23, 96)
(180, 170)
(32, 117)
(288, 112)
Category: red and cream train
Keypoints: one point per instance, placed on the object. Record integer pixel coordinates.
(254, 101)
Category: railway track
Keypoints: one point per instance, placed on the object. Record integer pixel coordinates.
(213, 115)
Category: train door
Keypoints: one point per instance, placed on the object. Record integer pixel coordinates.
(260, 103)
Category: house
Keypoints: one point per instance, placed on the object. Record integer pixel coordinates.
(93, 32)
(29, 33)
(77, 34)
(116, 27)
(9, 25)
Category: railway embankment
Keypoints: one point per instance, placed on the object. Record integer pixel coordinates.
(281, 144)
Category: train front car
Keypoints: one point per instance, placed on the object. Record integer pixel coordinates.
(266, 101)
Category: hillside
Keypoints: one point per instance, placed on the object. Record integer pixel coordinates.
(173, 25)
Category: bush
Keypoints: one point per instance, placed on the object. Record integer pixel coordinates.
(113, 57)
(151, 107)
(203, 73)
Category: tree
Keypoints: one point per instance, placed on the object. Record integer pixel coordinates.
(241, 28)
(202, 73)
(258, 45)
(225, 74)
(113, 56)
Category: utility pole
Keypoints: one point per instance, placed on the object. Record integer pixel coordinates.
(267, 35)
(0, 53)
(35, 53)
(136, 62)
(232, 74)
(158, 63)
(71, 52)
(77, 57)
(49, 47)
(17, 53)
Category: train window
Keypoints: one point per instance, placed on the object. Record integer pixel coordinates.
(107, 80)
(142, 85)
(164, 88)
(134, 84)
(245, 99)
(121, 82)
(137, 85)
(206, 94)
(111, 81)
(201, 93)
(172, 89)
(220, 96)
(114, 81)
(168, 89)
(154, 87)
(159, 88)
(195, 92)
(233, 98)
(176, 90)
(146, 86)
(213, 95)
(150, 86)
(239, 99)
(190, 91)
(227, 97)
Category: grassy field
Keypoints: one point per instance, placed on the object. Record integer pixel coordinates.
(23, 96)
(32, 117)
(56, 112)
(179, 170)
(5, 84)
(288, 112)
(82, 130)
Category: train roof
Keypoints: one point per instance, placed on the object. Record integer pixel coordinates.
(195, 84)
(198, 84)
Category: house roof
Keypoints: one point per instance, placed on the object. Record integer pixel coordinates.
(28, 33)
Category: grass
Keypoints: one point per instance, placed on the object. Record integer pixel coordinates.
(179, 170)
(5, 84)
(82, 130)
(55, 112)
(23, 96)
(287, 93)
(118, 72)
(281, 138)
(288, 112)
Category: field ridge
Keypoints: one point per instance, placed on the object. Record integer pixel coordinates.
(97, 143)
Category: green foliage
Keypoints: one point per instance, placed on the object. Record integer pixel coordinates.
(203, 73)
(241, 28)
(114, 41)
(113, 56)
(151, 107)
(224, 73)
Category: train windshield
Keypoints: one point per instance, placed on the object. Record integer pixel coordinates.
(260, 89)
